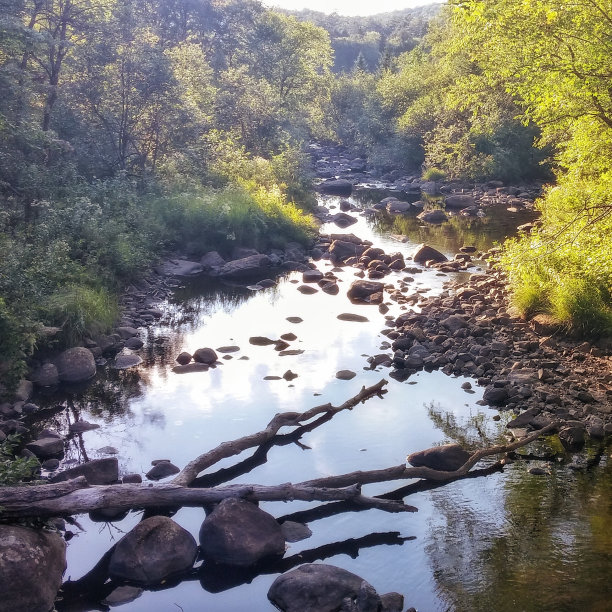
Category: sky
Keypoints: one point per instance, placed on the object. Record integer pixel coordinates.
(348, 7)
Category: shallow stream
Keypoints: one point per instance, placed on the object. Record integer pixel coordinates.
(507, 541)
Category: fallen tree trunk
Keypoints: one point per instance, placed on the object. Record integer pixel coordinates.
(77, 496)
(19, 502)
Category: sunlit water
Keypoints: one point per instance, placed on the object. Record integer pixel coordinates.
(508, 541)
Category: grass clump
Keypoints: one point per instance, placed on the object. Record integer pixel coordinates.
(434, 174)
(80, 311)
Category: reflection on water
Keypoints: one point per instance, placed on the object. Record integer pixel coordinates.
(510, 540)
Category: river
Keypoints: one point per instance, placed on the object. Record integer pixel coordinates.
(507, 541)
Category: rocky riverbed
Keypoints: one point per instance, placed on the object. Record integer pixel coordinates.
(468, 329)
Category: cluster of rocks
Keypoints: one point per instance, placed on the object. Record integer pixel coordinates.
(527, 367)
(342, 172)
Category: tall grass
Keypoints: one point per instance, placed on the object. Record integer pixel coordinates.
(565, 268)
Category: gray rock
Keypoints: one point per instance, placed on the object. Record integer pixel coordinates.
(126, 332)
(239, 533)
(312, 276)
(572, 437)
(392, 602)
(523, 419)
(446, 458)
(433, 216)
(44, 448)
(340, 249)
(184, 358)
(495, 396)
(132, 479)
(245, 267)
(307, 289)
(163, 469)
(122, 595)
(134, 343)
(295, 532)
(126, 359)
(398, 207)
(156, 549)
(349, 316)
(343, 220)
(459, 200)
(31, 566)
(336, 187)
(76, 365)
(425, 253)
(454, 323)
(322, 588)
(50, 464)
(46, 376)
(97, 472)
(362, 291)
(345, 374)
(212, 260)
(205, 355)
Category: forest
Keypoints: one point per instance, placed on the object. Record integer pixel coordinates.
(129, 128)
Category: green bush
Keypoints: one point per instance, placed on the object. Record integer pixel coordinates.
(565, 267)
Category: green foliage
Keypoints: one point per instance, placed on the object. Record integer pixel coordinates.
(565, 268)
(250, 215)
(15, 470)
(434, 174)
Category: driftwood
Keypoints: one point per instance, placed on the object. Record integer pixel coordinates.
(76, 496)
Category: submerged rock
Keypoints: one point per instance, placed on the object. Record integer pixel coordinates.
(322, 588)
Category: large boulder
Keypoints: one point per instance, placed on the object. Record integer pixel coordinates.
(446, 458)
(398, 207)
(340, 187)
(322, 588)
(245, 267)
(46, 447)
(238, 533)
(76, 365)
(343, 249)
(97, 472)
(425, 253)
(154, 550)
(363, 290)
(31, 566)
